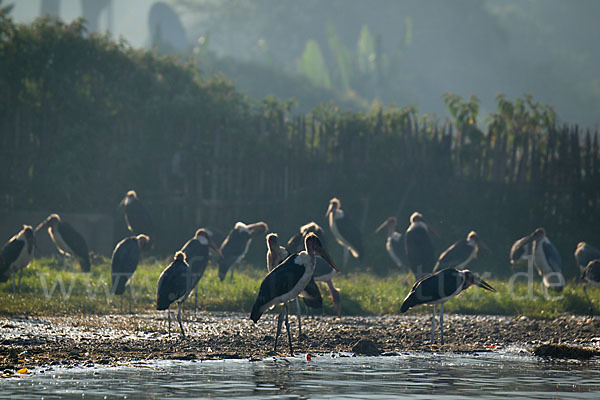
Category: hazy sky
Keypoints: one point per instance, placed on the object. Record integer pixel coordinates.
(135, 11)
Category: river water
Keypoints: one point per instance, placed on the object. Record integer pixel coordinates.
(501, 374)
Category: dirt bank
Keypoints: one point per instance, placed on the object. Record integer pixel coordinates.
(110, 339)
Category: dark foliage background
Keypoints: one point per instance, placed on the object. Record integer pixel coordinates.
(84, 119)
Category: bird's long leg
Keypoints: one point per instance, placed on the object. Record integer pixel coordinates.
(442, 324)
(13, 283)
(287, 327)
(122, 303)
(335, 297)
(179, 320)
(299, 315)
(544, 292)
(588, 299)
(169, 318)
(279, 323)
(71, 263)
(433, 324)
(19, 281)
(196, 299)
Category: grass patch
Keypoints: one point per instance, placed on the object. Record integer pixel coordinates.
(48, 289)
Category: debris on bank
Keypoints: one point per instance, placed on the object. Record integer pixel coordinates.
(366, 347)
(565, 351)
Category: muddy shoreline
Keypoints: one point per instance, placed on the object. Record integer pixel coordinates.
(116, 339)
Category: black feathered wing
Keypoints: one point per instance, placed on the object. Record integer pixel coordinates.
(277, 283)
(125, 259)
(77, 243)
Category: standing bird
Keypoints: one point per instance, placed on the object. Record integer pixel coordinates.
(125, 259)
(137, 217)
(287, 281)
(276, 254)
(591, 275)
(236, 244)
(346, 233)
(67, 240)
(521, 253)
(196, 254)
(323, 271)
(548, 262)
(418, 246)
(394, 243)
(584, 254)
(460, 253)
(174, 284)
(546, 259)
(16, 255)
(440, 287)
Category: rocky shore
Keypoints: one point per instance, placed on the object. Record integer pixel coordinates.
(115, 339)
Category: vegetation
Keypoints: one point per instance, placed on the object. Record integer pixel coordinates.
(49, 289)
(85, 119)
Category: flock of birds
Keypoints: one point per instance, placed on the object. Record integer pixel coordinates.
(294, 269)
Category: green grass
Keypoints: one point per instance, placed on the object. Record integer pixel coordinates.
(362, 294)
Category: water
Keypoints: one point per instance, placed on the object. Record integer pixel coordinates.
(413, 375)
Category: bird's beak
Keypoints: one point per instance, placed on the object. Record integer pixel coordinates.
(385, 223)
(41, 226)
(482, 284)
(323, 253)
(213, 246)
(329, 210)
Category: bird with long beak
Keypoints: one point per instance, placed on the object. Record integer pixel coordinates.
(67, 240)
(196, 255)
(344, 230)
(546, 260)
(16, 255)
(276, 254)
(287, 281)
(394, 244)
(236, 245)
(124, 262)
(173, 287)
(460, 253)
(137, 217)
(323, 271)
(440, 287)
(418, 246)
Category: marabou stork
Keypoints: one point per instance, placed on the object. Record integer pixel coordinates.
(236, 244)
(296, 242)
(67, 240)
(460, 253)
(287, 281)
(394, 243)
(276, 254)
(591, 275)
(174, 284)
(346, 233)
(196, 254)
(137, 217)
(546, 259)
(16, 255)
(418, 246)
(125, 259)
(439, 287)
(521, 253)
(584, 254)
(323, 271)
